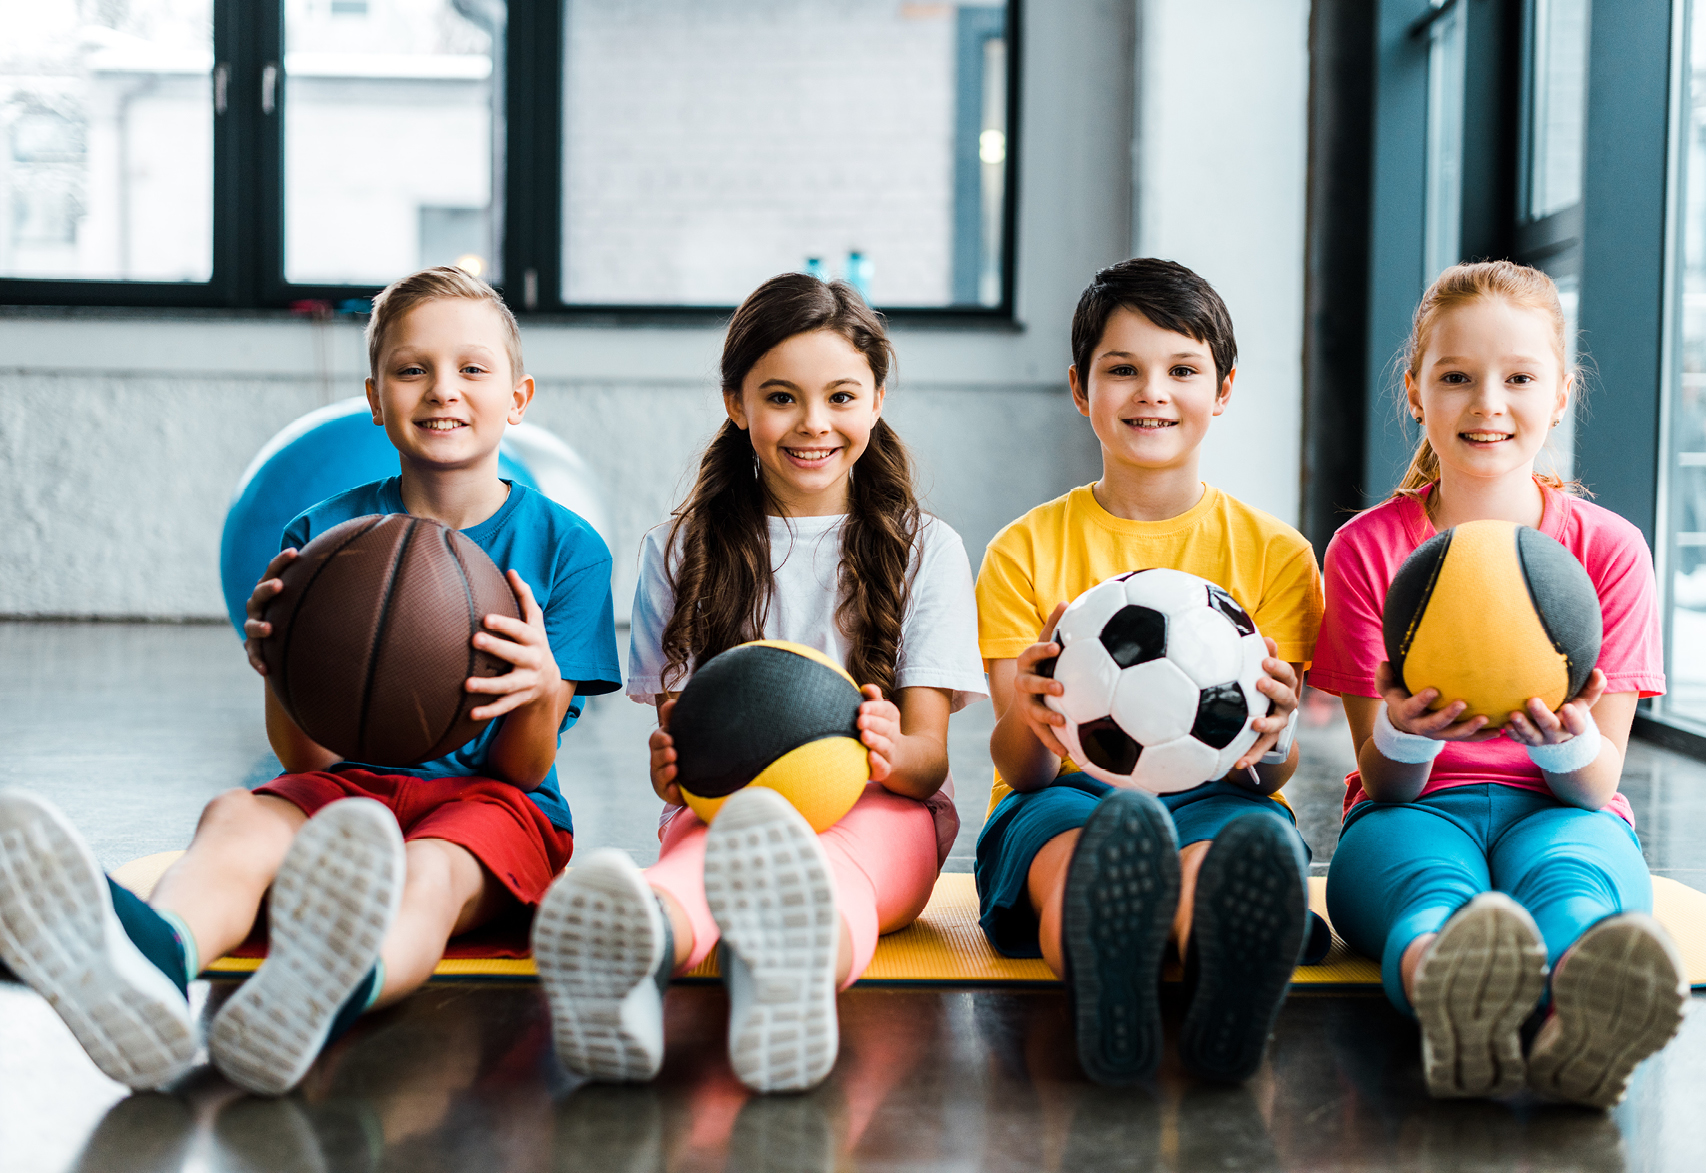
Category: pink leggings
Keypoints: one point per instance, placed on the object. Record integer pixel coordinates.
(882, 852)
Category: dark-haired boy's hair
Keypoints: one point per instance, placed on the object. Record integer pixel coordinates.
(1166, 293)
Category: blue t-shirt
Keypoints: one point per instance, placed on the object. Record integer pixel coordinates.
(566, 564)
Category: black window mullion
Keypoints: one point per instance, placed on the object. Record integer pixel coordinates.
(533, 105)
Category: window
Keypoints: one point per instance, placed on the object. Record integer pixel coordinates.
(611, 156)
(707, 147)
(106, 141)
(1684, 530)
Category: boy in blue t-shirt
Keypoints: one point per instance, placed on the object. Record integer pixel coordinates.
(364, 894)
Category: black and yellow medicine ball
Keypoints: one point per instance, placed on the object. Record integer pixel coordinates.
(1492, 613)
(776, 714)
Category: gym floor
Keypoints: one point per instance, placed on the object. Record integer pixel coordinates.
(131, 728)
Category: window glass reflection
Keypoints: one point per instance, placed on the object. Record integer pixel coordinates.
(710, 146)
(106, 140)
(389, 131)
(1557, 105)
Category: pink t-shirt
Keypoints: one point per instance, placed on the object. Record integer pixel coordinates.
(1366, 553)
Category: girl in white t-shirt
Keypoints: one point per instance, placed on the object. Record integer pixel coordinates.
(802, 526)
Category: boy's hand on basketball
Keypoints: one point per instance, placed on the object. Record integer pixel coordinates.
(1540, 726)
(1279, 685)
(663, 758)
(1030, 686)
(255, 629)
(879, 729)
(1410, 714)
(522, 642)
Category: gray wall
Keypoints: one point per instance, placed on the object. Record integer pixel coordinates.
(123, 434)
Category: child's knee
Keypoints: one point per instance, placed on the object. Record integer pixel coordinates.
(256, 822)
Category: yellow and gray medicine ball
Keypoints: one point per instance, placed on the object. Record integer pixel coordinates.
(1493, 613)
(776, 714)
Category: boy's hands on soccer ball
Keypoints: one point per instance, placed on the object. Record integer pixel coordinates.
(1030, 686)
(534, 677)
(255, 629)
(1409, 712)
(1279, 685)
(663, 757)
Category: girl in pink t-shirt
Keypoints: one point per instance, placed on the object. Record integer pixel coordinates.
(1478, 863)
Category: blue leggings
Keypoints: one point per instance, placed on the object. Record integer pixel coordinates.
(1402, 868)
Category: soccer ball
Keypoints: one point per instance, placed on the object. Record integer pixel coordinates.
(1160, 671)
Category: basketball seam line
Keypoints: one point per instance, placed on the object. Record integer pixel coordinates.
(290, 627)
(1540, 614)
(473, 654)
(379, 633)
(1415, 620)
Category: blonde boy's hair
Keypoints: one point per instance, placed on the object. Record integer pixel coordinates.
(436, 284)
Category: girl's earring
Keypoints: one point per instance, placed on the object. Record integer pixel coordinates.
(755, 466)
(1555, 422)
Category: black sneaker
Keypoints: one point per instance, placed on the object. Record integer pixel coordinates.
(1247, 931)
(1122, 889)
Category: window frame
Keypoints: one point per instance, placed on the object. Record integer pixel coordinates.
(248, 182)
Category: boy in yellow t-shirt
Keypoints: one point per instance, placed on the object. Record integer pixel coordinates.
(1097, 879)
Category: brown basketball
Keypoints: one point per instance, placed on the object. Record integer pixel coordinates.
(372, 638)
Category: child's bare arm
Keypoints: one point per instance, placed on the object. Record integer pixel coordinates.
(296, 751)
(1024, 745)
(531, 698)
(907, 738)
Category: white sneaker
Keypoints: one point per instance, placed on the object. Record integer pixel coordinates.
(333, 901)
(1476, 986)
(60, 935)
(770, 889)
(1618, 996)
(598, 940)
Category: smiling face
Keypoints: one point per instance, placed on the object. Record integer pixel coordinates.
(1488, 388)
(808, 405)
(443, 388)
(1150, 393)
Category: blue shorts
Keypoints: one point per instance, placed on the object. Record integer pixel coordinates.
(1019, 827)
(1402, 868)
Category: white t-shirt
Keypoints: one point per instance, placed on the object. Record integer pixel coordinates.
(938, 635)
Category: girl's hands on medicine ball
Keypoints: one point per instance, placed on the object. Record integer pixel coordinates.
(1280, 687)
(535, 676)
(255, 629)
(1538, 726)
(1410, 714)
(1030, 686)
(879, 729)
(663, 758)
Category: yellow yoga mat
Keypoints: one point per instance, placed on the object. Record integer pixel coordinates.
(945, 946)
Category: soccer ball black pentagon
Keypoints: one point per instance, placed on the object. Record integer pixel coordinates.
(1160, 671)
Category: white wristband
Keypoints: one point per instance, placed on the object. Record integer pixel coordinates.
(1409, 749)
(1566, 757)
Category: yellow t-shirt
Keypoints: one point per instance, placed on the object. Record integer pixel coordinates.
(1061, 549)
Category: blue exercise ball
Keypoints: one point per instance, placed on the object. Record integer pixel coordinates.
(337, 448)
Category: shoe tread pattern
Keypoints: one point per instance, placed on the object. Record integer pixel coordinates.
(59, 935)
(770, 890)
(1619, 996)
(597, 942)
(1248, 922)
(1122, 890)
(333, 900)
(1475, 987)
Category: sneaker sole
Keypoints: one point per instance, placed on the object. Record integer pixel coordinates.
(598, 942)
(1619, 998)
(333, 900)
(770, 890)
(1122, 890)
(1478, 983)
(60, 935)
(1247, 927)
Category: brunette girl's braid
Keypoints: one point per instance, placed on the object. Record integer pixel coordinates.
(721, 534)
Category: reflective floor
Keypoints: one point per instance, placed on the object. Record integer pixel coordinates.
(132, 728)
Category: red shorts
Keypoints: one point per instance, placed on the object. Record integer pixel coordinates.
(496, 822)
